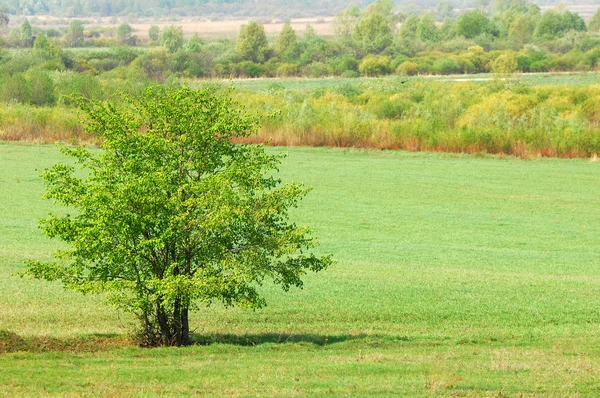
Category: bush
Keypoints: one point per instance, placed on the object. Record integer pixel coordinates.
(349, 90)
(249, 69)
(343, 64)
(287, 70)
(545, 65)
(375, 66)
(505, 64)
(317, 69)
(407, 68)
(350, 74)
(393, 108)
(445, 66)
(15, 89)
(70, 85)
(41, 88)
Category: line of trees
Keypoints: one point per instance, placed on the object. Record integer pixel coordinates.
(220, 8)
(371, 42)
(262, 8)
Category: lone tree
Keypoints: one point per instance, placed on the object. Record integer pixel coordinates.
(171, 214)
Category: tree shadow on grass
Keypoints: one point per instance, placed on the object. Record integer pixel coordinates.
(285, 338)
(12, 342)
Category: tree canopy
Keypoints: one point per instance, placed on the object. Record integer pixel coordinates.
(171, 214)
(287, 41)
(252, 42)
(172, 38)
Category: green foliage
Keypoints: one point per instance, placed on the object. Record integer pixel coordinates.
(448, 29)
(41, 88)
(594, 23)
(287, 70)
(433, 47)
(345, 21)
(252, 42)
(194, 44)
(15, 89)
(317, 69)
(172, 214)
(372, 33)
(4, 17)
(46, 48)
(521, 29)
(393, 108)
(472, 24)
(445, 10)
(373, 65)
(155, 62)
(343, 64)
(408, 33)
(172, 38)
(124, 34)
(72, 85)
(445, 66)
(407, 68)
(34, 87)
(286, 45)
(553, 24)
(505, 64)
(26, 34)
(249, 69)
(154, 33)
(74, 35)
(427, 30)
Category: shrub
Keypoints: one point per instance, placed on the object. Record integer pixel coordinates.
(373, 65)
(393, 108)
(288, 69)
(70, 85)
(350, 74)
(250, 69)
(407, 68)
(317, 69)
(445, 66)
(505, 64)
(15, 89)
(343, 64)
(41, 88)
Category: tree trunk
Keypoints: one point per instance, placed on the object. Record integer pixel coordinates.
(166, 336)
(185, 326)
(181, 327)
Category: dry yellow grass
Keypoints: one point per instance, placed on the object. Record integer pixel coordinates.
(231, 27)
(190, 25)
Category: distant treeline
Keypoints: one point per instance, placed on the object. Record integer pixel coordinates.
(516, 38)
(215, 8)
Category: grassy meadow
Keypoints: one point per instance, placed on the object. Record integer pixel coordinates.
(456, 275)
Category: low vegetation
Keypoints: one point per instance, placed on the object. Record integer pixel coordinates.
(507, 115)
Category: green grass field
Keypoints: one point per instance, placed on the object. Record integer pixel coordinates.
(456, 276)
(529, 79)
